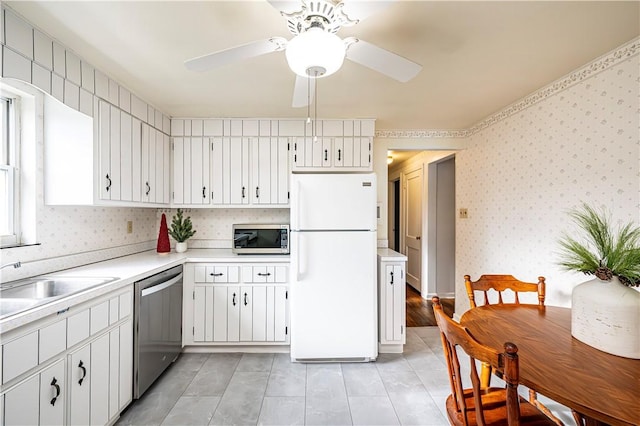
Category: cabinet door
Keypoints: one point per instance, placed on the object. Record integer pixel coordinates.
(220, 315)
(282, 172)
(234, 301)
(114, 372)
(365, 152)
(115, 148)
(136, 160)
(261, 166)
(21, 404)
(394, 303)
(238, 170)
(199, 312)
(125, 390)
(180, 149)
(99, 383)
(299, 152)
(259, 313)
(104, 130)
(148, 164)
(52, 394)
(159, 167)
(338, 152)
(191, 171)
(246, 314)
(199, 171)
(126, 163)
(326, 151)
(217, 182)
(79, 387)
(279, 315)
(166, 169)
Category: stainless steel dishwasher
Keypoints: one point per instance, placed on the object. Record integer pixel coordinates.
(157, 330)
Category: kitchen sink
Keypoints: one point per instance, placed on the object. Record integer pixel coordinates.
(31, 292)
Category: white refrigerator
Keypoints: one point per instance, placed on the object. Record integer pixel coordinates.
(333, 267)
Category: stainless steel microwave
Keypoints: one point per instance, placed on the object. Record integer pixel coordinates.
(261, 238)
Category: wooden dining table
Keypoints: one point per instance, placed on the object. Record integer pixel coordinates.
(603, 387)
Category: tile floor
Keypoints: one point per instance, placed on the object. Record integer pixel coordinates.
(268, 389)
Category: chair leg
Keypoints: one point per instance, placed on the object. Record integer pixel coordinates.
(578, 418)
(533, 399)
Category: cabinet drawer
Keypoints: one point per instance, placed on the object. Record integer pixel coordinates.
(99, 317)
(53, 340)
(19, 355)
(216, 274)
(77, 328)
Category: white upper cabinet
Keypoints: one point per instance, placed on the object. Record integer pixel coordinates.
(334, 145)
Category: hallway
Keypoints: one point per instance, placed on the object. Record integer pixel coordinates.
(419, 310)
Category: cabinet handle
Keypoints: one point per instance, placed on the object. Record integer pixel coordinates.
(219, 274)
(54, 383)
(418, 237)
(391, 278)
(245, 299)
(233, 300)
(204, 192)
(243, 189)
(84, 372)
(108, 182)
(260, 274)
(148, 188)
(325, 155)
(257, 192)
(339, 154)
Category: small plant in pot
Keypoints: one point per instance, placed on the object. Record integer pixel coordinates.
(604, 311)
(181, 230)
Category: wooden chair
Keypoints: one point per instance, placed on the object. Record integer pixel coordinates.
(483, 405)
(500, 284)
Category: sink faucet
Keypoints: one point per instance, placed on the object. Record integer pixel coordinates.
(16, 265)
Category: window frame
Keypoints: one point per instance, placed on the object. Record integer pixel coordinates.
(10, 164)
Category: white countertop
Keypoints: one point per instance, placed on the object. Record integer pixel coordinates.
(128, 269)
(388, 255)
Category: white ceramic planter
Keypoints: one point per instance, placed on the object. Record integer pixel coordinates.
(606, 315)
(181, 247)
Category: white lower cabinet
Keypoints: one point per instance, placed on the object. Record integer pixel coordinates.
(241, 311)
(84, 369)
(392, 300)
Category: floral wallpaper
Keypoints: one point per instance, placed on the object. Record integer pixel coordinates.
(521, 174)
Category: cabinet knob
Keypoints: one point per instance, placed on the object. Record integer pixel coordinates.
(233, 299)
(245, 300)
(148, 188)
(260, 274)
(204, 192)
(326, 155)
(391, 278)
(257, 192)
(243, 190)
(108, 182)
(418, 237)
(54, 383)
(218, 274)
(339, 154)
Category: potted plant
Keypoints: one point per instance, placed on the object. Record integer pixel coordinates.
(181, 230)
(605, 311)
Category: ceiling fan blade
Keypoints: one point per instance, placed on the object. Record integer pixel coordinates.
(234, 54)
(383, 61)
(303, 91)
(358, 9)
(286, 6)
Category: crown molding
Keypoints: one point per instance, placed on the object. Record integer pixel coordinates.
(594, 67)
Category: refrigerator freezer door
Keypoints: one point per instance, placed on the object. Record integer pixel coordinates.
(333, 202)
(333, 296)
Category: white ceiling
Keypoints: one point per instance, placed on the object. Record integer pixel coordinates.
(477, 56)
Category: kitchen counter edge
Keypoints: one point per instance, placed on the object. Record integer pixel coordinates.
(128, 269)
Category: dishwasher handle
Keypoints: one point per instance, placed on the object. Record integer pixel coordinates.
(159, 287)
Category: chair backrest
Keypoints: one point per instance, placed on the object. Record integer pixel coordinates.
(453, 335)
(500, 283)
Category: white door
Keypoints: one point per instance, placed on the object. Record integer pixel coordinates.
(99, 383)
(413, 228)
(394, 303)
(79, 394)
(333, 295)
(21, 403)
(333, 202)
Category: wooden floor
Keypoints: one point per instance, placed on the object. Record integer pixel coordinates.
(419, 310)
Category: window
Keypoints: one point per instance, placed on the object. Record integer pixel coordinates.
(9, 176)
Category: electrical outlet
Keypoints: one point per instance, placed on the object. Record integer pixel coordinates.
(464, 213)
(129, 226)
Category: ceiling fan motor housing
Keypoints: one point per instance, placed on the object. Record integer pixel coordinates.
(318, 13)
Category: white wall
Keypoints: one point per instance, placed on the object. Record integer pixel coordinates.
(518, 177)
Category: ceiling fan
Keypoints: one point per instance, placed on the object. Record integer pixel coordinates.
(315, 50)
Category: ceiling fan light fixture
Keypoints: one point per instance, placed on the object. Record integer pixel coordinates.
(315, 53)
